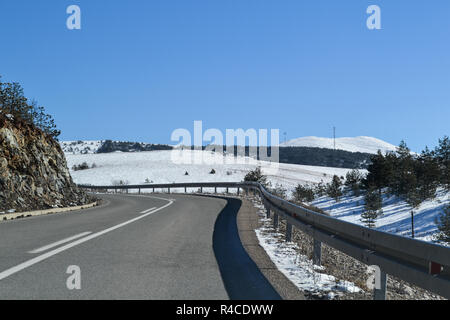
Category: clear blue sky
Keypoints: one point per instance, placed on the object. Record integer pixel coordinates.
(139, 69)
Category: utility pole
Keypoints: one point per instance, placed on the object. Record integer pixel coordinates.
(334, 137)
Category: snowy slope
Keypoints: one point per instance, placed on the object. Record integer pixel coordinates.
(158, 167)
(356, 144)
(396, 217)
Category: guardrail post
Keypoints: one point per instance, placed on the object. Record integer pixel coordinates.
(215, 189)
(317, 254)
(139, 192)
(381, 282)
(267, 211)
(153, 190)
(238, 190)
(201, 189)
(288, 232)
(185, 189)
(275, 221)
(169, 189)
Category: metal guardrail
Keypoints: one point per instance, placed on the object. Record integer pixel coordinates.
(424, 264)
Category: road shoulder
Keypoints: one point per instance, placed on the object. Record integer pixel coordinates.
(247, 222)
(18, 215)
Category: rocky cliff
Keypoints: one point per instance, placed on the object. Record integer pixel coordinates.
(33, 170)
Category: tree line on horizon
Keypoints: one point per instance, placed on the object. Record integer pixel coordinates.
(312, 156)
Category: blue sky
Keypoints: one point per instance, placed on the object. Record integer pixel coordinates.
(139, 69)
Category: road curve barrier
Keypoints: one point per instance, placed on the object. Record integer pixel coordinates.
(422, 263)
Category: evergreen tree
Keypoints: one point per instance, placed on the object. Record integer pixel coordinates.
(334, 188)
(442, 154)
(353, 181)
(372, 207)
(320, 189)
(443, 224)
(427, 172)
(257, 176)
(413, 198)
(380, 171)
(404, 176)
(303, 193)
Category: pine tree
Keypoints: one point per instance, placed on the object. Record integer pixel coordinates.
(303, 193)
(443, 224)
(320, 189)
(442, 154)
(413, 198)
(404, 178)
(353, 181)
(428, 174)
(334, 189)
(380, 171)
(257, 176)
(372, 207)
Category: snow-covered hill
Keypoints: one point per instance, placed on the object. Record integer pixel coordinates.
(81, 147)
(356, 144)
(158, 167)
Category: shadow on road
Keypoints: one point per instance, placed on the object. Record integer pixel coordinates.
(242, 278)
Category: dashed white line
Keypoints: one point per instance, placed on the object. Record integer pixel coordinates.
(55, 244)
(42, 257)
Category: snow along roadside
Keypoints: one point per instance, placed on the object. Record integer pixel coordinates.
(298, 268)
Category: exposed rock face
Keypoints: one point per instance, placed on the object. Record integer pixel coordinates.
(33, 170)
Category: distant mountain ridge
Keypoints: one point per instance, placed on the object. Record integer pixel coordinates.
(107, 146)
(361, 144)
(314, 156)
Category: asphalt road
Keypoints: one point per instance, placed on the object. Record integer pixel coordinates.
(132, 247)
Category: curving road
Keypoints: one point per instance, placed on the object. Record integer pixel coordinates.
(132, 247)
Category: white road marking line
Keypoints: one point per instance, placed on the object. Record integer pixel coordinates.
(55, 244)
(145, 211)
(29, 263)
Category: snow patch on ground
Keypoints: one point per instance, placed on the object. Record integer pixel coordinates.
(298, 268)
